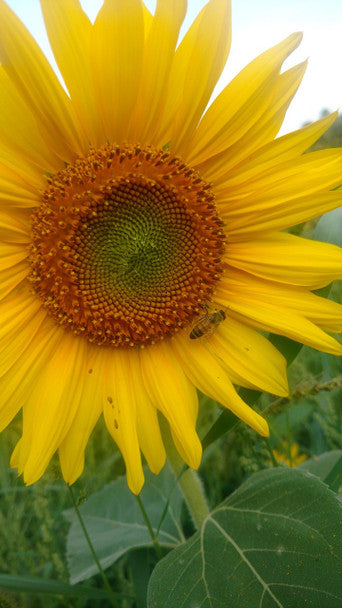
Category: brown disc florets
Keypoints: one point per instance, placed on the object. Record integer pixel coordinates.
(127, 245)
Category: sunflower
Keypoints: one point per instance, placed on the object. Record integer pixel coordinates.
(142, 234)
(289, 455)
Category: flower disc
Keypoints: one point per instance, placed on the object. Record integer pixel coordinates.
(127, 245)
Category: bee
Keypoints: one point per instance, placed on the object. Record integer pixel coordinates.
(207, 323)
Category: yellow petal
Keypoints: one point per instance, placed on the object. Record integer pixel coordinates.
(198, 65)
(14, 228)
(11, 254)
(16, 309)
(21, 318)
(148, 20)
(284, 148)
(172, 393)
(39, 87)
(248, 357)
(72, 448)
(289, 259)
(149, 434)
(158, 56)
(119, 410)
(282, 196)
(303, 175)
(117, 53)
(208, 376)
(23, 146)
(177, 81)
(16, 385)
(16, 461)
(52, 404)
(325, 313)
(148, 429)
(70, 30)
(280, 214)
(11, 278)
(16, 162)
(274, 104)
(282, 310)
(286, 323)
(239, 106)
(15, 191)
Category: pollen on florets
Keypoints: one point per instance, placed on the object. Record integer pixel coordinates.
(127, 245)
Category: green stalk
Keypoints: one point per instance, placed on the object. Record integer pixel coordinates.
(91, 547)
(188, 480)
(150, 529)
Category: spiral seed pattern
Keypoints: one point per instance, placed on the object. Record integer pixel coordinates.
(127, 245)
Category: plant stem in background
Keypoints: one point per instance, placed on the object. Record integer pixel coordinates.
(91, 547)
(150, 529)
(188, 481)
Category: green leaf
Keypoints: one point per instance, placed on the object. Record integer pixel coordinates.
(28, 584)
(141, 564)
(115, 524)
(328, 467)
(224, 423)
(328, 228)
(275, 543)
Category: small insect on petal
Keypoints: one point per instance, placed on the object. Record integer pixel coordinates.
(207, 323)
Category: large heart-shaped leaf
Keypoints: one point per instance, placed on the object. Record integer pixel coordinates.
(275, 543)
(115, 524)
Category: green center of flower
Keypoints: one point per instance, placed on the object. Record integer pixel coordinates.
(127, 246)
(134, 248)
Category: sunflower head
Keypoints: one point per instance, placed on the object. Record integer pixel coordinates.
(127, 245)
(142, 230)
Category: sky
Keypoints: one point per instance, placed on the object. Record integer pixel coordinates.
(256, 26)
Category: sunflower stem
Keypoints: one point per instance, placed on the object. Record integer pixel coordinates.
(91, 547)
(156, 545)
(188, 480)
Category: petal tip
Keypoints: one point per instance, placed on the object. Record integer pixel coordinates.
(156, 466)
(136, 482)
(262, 427)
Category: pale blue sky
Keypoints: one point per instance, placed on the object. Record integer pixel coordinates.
(257, 25)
